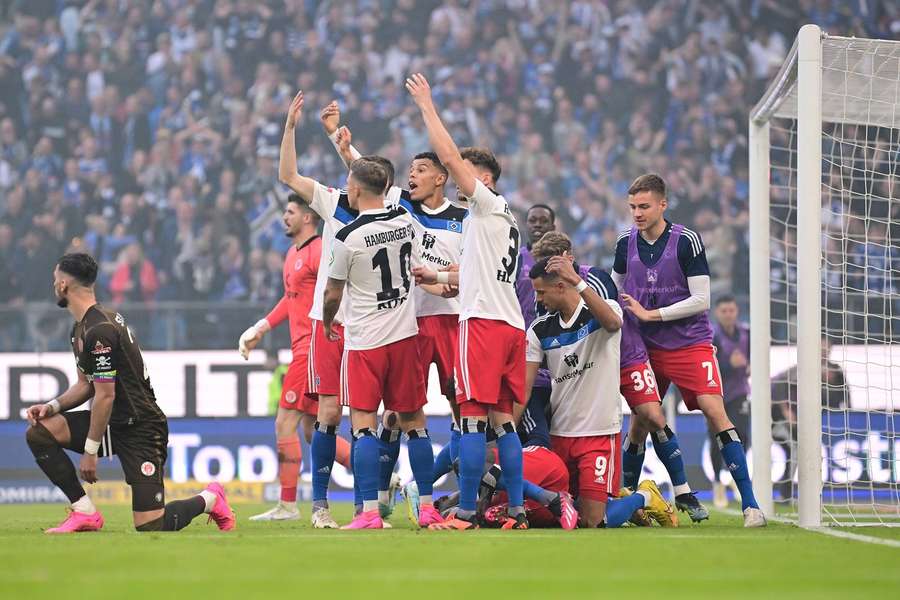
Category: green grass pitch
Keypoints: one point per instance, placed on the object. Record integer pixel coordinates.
(269, 560)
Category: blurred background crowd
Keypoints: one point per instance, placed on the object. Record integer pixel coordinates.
(147, 133)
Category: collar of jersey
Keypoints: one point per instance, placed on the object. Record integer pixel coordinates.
(575, 315)
(436, 211)
(374, 211)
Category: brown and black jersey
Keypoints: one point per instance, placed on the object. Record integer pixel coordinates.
(106, 351)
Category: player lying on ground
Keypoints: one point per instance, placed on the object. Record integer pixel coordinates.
(579, 339)
(296, 407)
(662, 271)
(490, 373)
(439, 226)
(124, 418)
(372, 257)
(637, 385)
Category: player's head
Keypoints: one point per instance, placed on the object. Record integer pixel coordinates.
(647, 200)
(487, 169)
(297, 216)
(549, 289)
(367, 179)
(426, 175)
(726, 310)
(73, 273)
(540, 219)
(552, 243)
(388, 168)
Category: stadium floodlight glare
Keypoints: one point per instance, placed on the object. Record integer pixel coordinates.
(825, 276)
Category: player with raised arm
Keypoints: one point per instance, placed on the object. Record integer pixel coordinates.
(301, 267)
(372, 257)
(661, 268)
(638, 386)
(124, 418)
(333, 206)
(490, 365)
(579, 340)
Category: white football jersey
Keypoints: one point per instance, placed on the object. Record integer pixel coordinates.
(490, 259)
(374, 255)
(333, 206)
(583, 359)
(440, 231)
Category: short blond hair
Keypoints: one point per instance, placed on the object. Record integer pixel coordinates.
(552, 243)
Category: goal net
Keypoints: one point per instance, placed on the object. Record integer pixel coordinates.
(825, 283)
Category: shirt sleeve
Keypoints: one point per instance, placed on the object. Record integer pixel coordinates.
(325, 200)
(416, 259)
(101, 343)
(692, 254)
(620, 264)
(278, 314)
(602, 283)
(533, 351)
(483, 201)
(341, 258)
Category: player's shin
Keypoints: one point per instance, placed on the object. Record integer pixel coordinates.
(388, 453)
(289, 457)
(632, 462)
(619, 510)
(455, 436)
(322, 450)
(509, 447)
(666, 446)
(421, 460)
(365, 467)
(472, 450)
(52, 460)
(442, 464)
(733, 452)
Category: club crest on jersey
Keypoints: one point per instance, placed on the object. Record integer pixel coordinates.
(652, 275)
(428, 241)
(454, 226)
(583, 332)
(148, 468)
(99, 348)
(120, 319)
(298, 265)
(571, 360)
(290, 397)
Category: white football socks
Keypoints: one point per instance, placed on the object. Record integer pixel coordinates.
(210, 500)
(84, 505)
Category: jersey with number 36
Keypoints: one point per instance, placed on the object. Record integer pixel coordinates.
(374, 255)
(490, 258)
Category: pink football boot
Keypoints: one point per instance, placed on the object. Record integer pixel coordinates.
(77, 521)
(428, 515)
(366, 520)
(569, 518)
(221, 511)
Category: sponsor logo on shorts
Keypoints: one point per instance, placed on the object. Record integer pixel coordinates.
(148, 468)
(290, 397)
(324, 470)
(712, 384)
(158, 497)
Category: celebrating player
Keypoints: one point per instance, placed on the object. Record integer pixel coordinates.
(490, 366)
(372, 257)
(333, 206)
(579, 339)
(638, 386)
(663, 271)
(301, 267)
(124, 418)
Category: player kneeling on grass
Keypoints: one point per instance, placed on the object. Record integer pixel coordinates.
(579, 340)
(124, 418)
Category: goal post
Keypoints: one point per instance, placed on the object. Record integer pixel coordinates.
(824, 144)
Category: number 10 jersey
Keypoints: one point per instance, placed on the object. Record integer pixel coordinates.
(490, 259)
(374, 255)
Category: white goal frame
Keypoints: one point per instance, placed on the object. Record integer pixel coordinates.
(795, 93)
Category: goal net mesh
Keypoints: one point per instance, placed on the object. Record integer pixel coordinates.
(860, 258)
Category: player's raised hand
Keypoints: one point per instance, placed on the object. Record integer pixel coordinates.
(424, 275)
(344, 139)
(330, 117)
(564, 267)
(295, 111)
(419, 89)
(635, 307)
(88, 467)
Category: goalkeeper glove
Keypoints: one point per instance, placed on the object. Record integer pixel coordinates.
(252, 335)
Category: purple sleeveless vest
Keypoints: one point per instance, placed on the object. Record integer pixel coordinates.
(735, 385)
(524, 289)
(664, 284)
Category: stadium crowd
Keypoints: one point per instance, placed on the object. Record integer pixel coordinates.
(147, 133)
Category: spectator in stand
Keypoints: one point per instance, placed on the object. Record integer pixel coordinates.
(135, 279)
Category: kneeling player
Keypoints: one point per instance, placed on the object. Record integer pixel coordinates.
(579, 339)
(124, 418)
